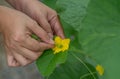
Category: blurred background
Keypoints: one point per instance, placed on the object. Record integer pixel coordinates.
(28, 72)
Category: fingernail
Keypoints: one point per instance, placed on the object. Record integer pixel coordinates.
(51, 41)
(50, 35)
(62, 36)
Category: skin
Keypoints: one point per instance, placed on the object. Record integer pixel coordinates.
(42, 14)
(17, 27)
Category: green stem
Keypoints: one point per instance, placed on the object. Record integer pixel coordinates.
(84, 65)
(85, 75)
(35, 37)
(76, 50)
(73, 49)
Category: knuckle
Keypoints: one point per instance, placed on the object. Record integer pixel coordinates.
(54, 13)
(18, 38)
(10, 64)
(46, 25)
(12, 46)
(53, 18)
(49, 30)
(45, 35)
(35, 57)
(34, 23)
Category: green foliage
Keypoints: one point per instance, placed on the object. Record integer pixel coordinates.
(93, 26)
(35, 37)
(48, 61)
(74, 69)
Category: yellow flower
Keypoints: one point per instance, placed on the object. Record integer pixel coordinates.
(100, 69)
(61, 45)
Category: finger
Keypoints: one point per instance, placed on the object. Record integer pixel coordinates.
(42, 34)
(31, 44)
(44, 46)
(29, 54)
(22, 60)
(45, 25)
(10, 59)
(35, 45)
(55, 23)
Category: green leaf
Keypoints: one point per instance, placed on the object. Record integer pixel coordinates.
(48, 61)
(50, 3)
(99, 35)
(35, 37)
(72, 11)
(71, 33)
(93, 26)
(74, 69)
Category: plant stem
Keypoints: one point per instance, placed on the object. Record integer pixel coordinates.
(84, 65)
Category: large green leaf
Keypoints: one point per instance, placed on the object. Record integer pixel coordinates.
(74, 68)
(99, 35)
(48, 61)
(72, 11)
(83, 70)
(93, 26)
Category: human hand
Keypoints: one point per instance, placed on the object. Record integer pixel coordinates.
(44, 16)
(17, 28)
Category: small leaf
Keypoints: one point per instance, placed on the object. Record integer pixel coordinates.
(48, 61)
(35, 37)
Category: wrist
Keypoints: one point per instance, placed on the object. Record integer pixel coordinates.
(5, 15)
(1, 17)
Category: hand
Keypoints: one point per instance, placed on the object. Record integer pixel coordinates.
(17, 28)
(44, 16)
